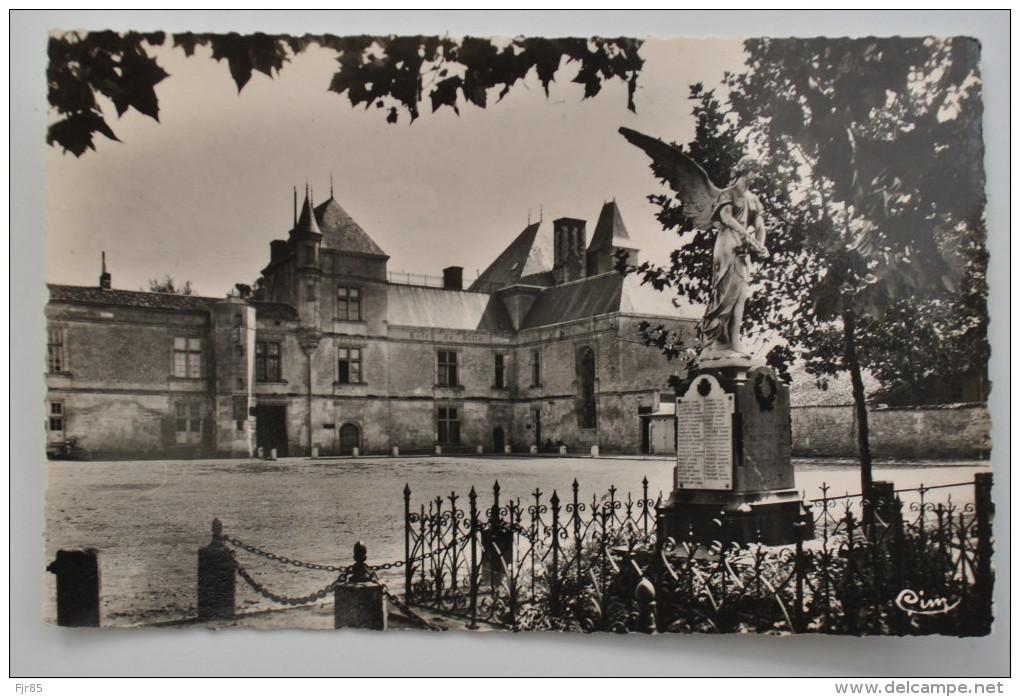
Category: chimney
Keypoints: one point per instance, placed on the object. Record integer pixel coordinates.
(277, 250)
(453, 278)
(569, 243)
(105, 280)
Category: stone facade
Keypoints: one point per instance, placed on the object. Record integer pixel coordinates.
(539, 351)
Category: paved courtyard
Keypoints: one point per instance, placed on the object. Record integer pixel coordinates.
(149, 518)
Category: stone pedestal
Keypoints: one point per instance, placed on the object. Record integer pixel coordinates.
(360, 606)
(734, 476)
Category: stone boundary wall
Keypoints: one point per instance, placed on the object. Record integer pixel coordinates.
(938, 432)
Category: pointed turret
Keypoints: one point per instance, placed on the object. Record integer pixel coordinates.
(306, 223)
(610, 237)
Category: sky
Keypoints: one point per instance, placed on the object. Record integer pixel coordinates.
(200, 194)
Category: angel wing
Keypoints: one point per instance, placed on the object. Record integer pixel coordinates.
(685, 177)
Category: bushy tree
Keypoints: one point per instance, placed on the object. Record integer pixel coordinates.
(169, 285)
(874, 190)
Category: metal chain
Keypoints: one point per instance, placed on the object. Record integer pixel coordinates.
(284, 560)
(325, 567)
(403, 562)
(410, 613)
(285, 600)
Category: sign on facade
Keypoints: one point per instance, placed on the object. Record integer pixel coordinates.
(704, 436)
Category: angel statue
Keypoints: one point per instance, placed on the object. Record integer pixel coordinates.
(735, 214)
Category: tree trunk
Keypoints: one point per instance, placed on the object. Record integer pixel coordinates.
(860, 406)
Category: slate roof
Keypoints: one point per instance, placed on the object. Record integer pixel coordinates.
(93, 295)
(601, 295)
(527, 257)
(609, 230)
(839, 392)
(341, 232)
(418, 306)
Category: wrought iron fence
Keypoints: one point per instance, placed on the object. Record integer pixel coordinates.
(896, 562)
(519, 564)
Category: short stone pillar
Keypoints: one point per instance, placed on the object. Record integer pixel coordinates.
(315, 452)
(272, 453)
(355, 452)
(478, 450)
(594, 451)
(533, 450)
(360, 603)
(439, 450)
(563, 450)
(261, 454)
(77, 572)
(217, 576)
(396, 451)
(506, 449)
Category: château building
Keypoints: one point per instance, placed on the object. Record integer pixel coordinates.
(542, 348)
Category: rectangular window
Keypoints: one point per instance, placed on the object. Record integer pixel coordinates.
(536, 369)
(189, 417)
(55, 351)
(187, 357)
(267, 361)
(310, 254)
(447, 374)
(500, 371)
(349, 364)
(310, 292)
(448, 426)
(56, 416)
(348, 303)
(188, 420)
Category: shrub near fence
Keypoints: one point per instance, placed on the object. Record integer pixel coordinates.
(905, 564)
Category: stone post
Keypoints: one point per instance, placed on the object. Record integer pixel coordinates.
(77, 572)
(217, 574)
(360, 603)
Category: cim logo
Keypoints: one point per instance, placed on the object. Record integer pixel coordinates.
(915, 603)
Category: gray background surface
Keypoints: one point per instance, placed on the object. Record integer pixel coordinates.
(39, 651)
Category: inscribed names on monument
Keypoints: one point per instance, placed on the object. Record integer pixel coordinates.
(704, 437)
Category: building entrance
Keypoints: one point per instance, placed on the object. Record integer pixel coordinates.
(271, 428)
(350, 438)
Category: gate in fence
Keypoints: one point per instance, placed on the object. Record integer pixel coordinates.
(921, 564)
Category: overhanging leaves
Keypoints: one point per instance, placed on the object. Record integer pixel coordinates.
(391, 73)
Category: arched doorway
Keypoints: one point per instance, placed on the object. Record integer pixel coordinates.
(498, 439)
(350, 438)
